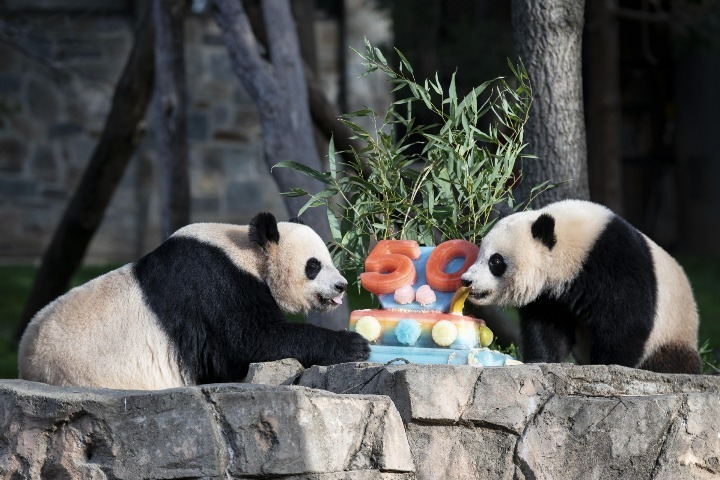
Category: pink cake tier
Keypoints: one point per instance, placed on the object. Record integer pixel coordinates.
(415, 329)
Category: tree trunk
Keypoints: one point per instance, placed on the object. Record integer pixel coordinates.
(325, 117)
(103, 173)
(323, 112)
(603, 118)
(342, 52)
(279, 118)
(171, 114)
(304, 14)
(280, 93)
(290, 103)
(548, 34)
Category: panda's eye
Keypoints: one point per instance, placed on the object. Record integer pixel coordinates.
(497, 264)
(312, 268)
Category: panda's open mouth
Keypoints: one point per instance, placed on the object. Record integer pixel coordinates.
(329, 302)
(482, 294)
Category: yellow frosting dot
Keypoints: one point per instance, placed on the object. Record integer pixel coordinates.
(369, 327)
(444, 333)
(486, 336)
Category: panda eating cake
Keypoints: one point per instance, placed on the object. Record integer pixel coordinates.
(198, 309)
(421, 302)
(586, 281)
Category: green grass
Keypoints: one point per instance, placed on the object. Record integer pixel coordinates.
(15, 283)
(704, 273)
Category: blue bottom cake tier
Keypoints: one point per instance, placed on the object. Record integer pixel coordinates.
(480, 357)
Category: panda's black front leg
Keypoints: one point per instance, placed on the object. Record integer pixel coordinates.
(309, 344)
(548, 331)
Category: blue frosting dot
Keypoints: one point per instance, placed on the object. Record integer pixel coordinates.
(408, 331)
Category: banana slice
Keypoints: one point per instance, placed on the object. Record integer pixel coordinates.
(458, 300)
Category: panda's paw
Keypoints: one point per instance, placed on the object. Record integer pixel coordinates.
(352, 347)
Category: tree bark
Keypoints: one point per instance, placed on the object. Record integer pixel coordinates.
(171, 114)
(281, 122)
(279, 90)
(304, 14)
(548, 34)
(119, 140)
(298, 143)
(602, 76)
(325, 115)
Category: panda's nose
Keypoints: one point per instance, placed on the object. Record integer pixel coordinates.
(465, 282)
(341, 286)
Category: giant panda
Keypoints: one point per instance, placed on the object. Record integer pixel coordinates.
(582, 277)
(198, 309)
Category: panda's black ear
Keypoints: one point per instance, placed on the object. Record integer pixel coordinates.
(296, 220)
(543, 229)
(263, 229)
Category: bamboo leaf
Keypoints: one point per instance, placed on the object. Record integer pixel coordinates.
(313, 202)
(294, 192)
(331, 157)
(404, 60)
(334, 225)
(305, 170)
(451, 91)
(380, 56)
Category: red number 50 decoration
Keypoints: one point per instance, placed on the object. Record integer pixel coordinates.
(389, 266)
(439, 259)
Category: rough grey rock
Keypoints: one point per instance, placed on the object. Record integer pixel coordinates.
(354, 475)
(213, 431)
(48, 432)
(281, 372)
(546, 420)
(520, 422)
(461, 451)
(326, 433)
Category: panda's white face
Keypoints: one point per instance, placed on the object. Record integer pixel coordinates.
(530, 253)
(301, 275)
(511, 267)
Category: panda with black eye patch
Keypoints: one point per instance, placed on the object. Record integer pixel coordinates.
(198, 309)
(584, 278)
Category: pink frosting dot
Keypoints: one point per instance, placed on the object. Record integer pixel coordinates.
(425, 295)
(404, 295)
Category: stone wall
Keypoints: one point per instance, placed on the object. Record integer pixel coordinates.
(57, 78)
(388, 422)
(59, 91)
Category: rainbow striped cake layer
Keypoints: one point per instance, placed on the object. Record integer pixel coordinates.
(415, 329)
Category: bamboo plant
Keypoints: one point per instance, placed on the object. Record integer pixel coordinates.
(427, 183)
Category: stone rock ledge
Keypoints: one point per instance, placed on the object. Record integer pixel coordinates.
(545, 421)
(214, 431)
(381, 422)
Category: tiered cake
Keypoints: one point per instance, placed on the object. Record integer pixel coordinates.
(421, 299)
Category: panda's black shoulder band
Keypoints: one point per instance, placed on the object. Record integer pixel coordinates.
(263, 229)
